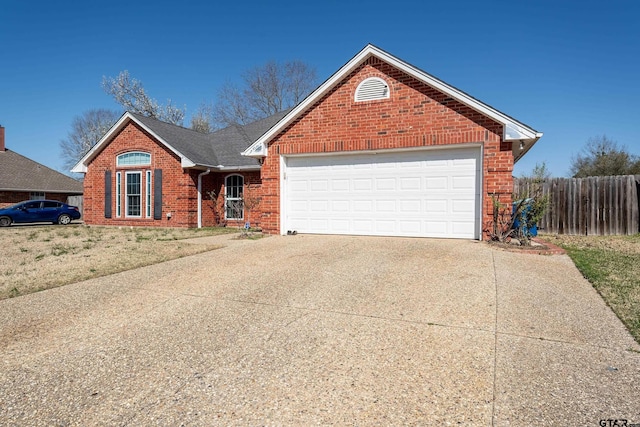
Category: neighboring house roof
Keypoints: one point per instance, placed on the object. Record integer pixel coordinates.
(516, 132)
(19, 173)
(219, 150)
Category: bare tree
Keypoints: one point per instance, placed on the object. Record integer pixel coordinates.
(201, 120)
(130, 93)
(266, 90)
(86, 130)
(602, 156)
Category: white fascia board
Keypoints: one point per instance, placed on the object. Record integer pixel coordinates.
(513, 130)
(81, 166)
(238, 168)
(256, 150)
(186, 163)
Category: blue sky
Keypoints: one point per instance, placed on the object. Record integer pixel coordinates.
(570, 69)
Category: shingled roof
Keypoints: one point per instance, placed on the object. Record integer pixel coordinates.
(19, 173)
(219, 150)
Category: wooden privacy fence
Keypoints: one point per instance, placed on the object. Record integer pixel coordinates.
(76, 201)
(599, 205)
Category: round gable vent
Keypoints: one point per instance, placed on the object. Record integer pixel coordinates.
(371, 89)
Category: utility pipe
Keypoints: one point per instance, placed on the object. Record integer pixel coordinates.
(200, 196)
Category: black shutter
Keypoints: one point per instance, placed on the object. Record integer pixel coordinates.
(157, 194)
(107, 194)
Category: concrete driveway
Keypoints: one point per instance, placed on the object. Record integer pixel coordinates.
(328, 330)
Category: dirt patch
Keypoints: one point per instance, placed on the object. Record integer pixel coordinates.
(538, 247)
(42, 257)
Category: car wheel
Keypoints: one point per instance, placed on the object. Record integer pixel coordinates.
(5, 221)
(64, 219)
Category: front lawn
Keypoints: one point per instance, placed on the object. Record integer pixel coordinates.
(35, 258)
(612, 265)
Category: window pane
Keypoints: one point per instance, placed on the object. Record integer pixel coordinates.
(148, 195)
(133, 193)
(234, 209)
(134, 158)
(233, 200)
(118, 193)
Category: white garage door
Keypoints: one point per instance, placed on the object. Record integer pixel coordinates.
(430, 193)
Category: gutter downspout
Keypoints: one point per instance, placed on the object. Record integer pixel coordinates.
(200, 196)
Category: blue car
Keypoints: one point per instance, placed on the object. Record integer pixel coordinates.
(39, 211)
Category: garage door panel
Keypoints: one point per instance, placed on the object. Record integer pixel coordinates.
(410, 206)
(409, 183)
(410, 227)
(319, 185)
(339, 226)
(319, 206)
(363, 184)
(436, 206)
(300, 186)
(436, 183)
(362, 205)
(427, 193)
(340, 185)
(340, 206)
(386, 205)
(462, 228)
(385, 226)
(462, 206)
(363, 226)
(385, 184)
(300, 206)
(463, 183)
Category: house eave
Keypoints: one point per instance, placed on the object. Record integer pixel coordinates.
(222, 168)
(520, 147)
(238, 168)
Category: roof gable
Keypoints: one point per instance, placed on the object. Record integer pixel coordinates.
(219, 150)
(154, 127)
(514, 130)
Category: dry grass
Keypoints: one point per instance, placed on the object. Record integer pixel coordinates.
(612, 265)
(35, 258)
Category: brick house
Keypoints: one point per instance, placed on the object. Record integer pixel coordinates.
(24, 179)
(380, 148)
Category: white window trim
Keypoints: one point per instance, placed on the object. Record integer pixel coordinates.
(37, 195)
(369, 80)
(120, 156)
(118, 194)
(233, 198)
(126, 195)
(147, 198)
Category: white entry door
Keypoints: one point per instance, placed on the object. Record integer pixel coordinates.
(427, 193)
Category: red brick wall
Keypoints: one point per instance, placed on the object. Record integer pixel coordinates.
(8, 198)
(179, 186)
(415, 115)
(213, 209)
